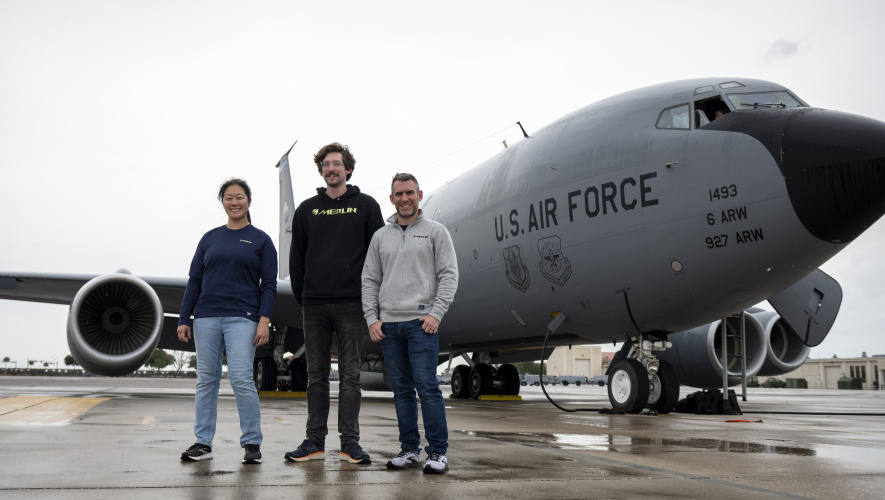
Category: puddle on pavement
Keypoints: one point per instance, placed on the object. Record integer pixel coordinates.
(627, 444)
(855, 454)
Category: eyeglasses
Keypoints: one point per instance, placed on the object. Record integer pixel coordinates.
(332, 163)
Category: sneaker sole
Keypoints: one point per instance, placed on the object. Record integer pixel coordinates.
(347, 458)
(196, 459)
(252, 461)
(320, 455)
(430, 470)
(413, 465)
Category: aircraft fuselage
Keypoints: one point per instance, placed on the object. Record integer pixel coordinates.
(634, 215)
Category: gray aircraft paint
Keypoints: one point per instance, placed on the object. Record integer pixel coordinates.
(598, 180)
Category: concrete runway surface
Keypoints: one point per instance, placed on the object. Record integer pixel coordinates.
(122, 437)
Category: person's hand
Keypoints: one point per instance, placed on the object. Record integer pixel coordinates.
(431, 324)
(262, 333)
(184, 333)
(375, 332)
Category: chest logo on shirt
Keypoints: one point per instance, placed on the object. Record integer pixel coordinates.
(246, 241)
(334, 211)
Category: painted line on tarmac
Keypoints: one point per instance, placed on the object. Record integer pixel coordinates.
(43, 410)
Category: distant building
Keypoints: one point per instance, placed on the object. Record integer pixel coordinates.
(825, 373)
(581, 361)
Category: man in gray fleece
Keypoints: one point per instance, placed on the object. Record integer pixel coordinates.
(409, 281)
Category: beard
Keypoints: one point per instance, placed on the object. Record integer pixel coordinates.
(411, 211)
(335, 180)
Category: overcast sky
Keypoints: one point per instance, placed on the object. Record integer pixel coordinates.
(120, 119)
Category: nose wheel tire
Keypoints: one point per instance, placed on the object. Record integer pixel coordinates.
(628, 386)
(663, 388)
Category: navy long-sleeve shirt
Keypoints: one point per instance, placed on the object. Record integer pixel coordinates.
(233, 273)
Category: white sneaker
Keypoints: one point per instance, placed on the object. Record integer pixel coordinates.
(407, 459)
(436, 464)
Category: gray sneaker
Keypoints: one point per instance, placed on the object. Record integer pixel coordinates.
(436, 464)
(407, 459)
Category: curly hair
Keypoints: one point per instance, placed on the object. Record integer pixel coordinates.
(335, 147)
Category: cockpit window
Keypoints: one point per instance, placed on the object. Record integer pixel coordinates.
(730, 85)
(676, 117)
(755, 100)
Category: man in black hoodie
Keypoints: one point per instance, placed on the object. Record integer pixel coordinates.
(331, 233)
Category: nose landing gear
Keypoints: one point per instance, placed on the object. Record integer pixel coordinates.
(638, 380)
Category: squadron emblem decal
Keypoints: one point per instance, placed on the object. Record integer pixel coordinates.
(517, 272)
(556, 268)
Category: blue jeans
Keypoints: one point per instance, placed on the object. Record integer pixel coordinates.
(410, 357)
(346, 319)
(213, 336)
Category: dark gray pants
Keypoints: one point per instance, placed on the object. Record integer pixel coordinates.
(320, 321)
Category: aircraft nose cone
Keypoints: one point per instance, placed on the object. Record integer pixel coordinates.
(833, 164)
(834, 167)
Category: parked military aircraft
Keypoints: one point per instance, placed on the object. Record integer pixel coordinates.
(647, 218)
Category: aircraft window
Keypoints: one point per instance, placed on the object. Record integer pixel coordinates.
(702, 118)
(703, 90)
(708, 109)
(675, 117)
(730, 85)
(755, 100)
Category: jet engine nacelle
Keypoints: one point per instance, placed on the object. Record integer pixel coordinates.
(114, 324)
(697, 353)
(784, 350)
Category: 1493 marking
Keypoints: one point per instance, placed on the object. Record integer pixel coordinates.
(723, 192)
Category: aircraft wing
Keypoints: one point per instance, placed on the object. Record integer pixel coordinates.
(61, 288)
(51, 288)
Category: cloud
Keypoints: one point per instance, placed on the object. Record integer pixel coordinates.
(780, 50)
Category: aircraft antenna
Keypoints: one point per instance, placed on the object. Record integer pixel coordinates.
(384, 186)
(523, 130)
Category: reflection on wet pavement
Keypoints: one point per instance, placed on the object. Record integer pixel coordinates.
(628, 444)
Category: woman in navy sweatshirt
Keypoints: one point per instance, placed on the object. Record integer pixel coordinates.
(230, 293)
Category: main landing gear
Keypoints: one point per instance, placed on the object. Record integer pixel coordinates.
(638, 380)
(483, 379)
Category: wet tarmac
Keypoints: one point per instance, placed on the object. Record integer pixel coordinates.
(121, 438)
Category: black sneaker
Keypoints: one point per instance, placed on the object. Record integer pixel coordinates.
(196, 453)
(353, 453)
(308, 450)
(253, 454)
